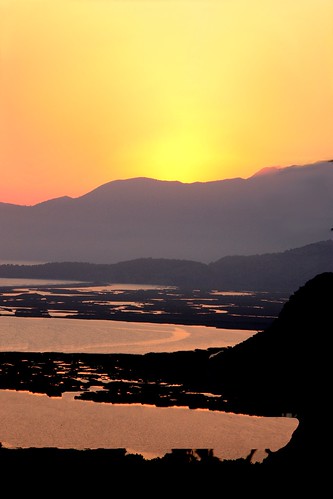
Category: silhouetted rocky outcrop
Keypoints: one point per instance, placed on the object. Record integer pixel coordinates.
(287, 369)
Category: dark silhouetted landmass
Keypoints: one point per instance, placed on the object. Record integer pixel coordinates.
(283, 272)
(287, 369)
(141, 217)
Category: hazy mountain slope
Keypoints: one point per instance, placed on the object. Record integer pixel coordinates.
(273, 271)
(284, 271)
(139, 218)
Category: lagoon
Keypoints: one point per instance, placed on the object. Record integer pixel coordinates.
(66, 335)
(30, 420)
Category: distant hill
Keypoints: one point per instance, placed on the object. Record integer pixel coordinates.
(270, 212)
(274, 271)
(283, 271)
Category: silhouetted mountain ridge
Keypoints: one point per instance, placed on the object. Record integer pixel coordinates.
(202, 221)
(56, 201)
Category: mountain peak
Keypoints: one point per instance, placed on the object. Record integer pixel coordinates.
(268, 170)
(272, 170)
(135, 184)
(55, 201)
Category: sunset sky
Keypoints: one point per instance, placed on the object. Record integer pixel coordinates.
(98, 90)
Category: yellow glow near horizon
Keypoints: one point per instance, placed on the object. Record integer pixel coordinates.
(189, 90)
(178, 158)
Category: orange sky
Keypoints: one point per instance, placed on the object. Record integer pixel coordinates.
(196, 90)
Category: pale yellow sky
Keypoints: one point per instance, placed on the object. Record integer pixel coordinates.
(93, 91)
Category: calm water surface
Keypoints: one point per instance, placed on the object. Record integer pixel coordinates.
(25, 334)
(12, 282)
(15, 282)
(29, 420)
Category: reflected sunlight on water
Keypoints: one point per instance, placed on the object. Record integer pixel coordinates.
(12, 282)
(23, 334)
(30, 420)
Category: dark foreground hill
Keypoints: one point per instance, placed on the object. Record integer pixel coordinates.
(287, 368)
(285, 271)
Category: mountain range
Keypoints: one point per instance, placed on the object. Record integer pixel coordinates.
(272, 211)
(283, 271)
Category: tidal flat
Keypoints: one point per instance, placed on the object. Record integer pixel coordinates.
(182, 379)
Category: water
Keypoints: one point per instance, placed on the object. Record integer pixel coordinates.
(123, 287)
(22, 283)
(29, 420)
(22, 334)
(13, 282)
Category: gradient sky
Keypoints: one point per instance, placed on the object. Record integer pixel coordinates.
(97, 90)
